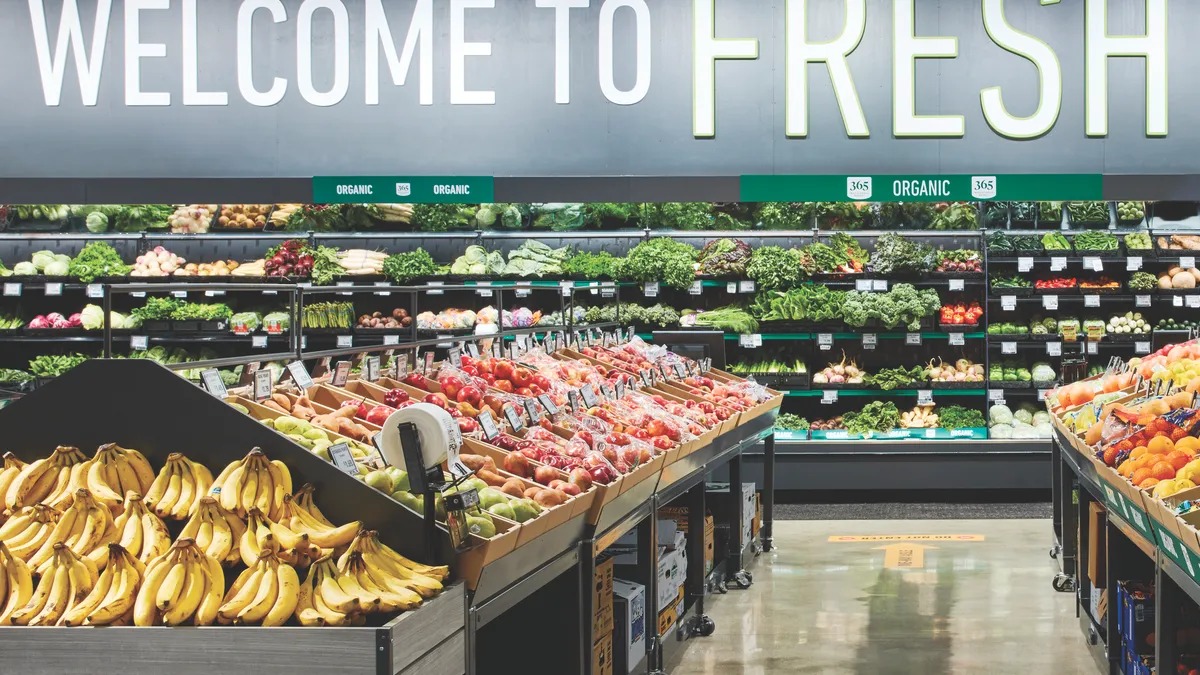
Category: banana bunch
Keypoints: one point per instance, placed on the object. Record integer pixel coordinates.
(28, 530)
(8, 473)
(217, 532)
(265, 594)
(178, 487)
(186, 583)
(253, 481)
(116, 471)
(51, 481)
(264, 535)
(303, 499)
(140, 532)
(16, 584)
(282, 212)
(111, 601)
(422, 579)
(393, 213)
(321, 533)
(361, 261)
(65, 582)
(324, 601)
(376, 591)
(85, 526)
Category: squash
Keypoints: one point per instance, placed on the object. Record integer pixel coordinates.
(1174, 270)
(1195, 273)
(1183, 281)
(1164, 282)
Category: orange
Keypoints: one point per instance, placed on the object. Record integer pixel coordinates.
(1178, 459)
(1178, 434)
(1110, 456)
(1138, 452)
(1188, 443)
(1160, 445)
(1126, 468)
(1139, 475)
(1148, 483)
(1162, 471)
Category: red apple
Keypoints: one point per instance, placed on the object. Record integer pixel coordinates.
(556, 484)
(503, 370)
(541, 382)
(467, 425)
(545, 474)
(395, 397)
(570, 489)
(521, 377)
(378, 414)
(438, 399)
(469, 394)
(504, 386)
(450, 386)
(523, 391)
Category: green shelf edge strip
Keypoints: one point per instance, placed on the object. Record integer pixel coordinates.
(812, 393)
(855, 336)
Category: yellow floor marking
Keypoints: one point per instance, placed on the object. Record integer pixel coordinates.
(906, 537)
(906, 555)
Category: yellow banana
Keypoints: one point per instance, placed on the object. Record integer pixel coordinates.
(368, 601)
(237, 600)
(156, 538)
(145, 613)
(141, 467)
(330, 616)
(204, 478)
(231, 490)
(80, 611)
(303, 499)
(249, 488)
(214, 586)
(286, 596)
(158, 487)
(171, 589)
(187, 490)
(306, 614)
(20, 584)
(100, 478)
(8, 474)
(263, 498)
(165, 505)
(268, 593)
(330, 592)
(27, 481)
(192, 592)
(123, 591)
(127, 478)
(37, 601)
(219, 482)
(77, 479)
(56, 600)
(61, 533)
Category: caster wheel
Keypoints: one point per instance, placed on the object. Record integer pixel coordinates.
(749, 575)
(722, 588)
(1063, 583)
(742, 579)
(703, 627)
(1054, 553)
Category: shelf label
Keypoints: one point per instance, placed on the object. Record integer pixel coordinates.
(825, 341)
(1187, 262)
(731, 287)
(607, 392)
(650, 289)
(371, 368)
(435, 288)
(213, 294)
(1054, 349)
(1133, 263)
(1041, 394)
(548, 404)
(1024, 264)
(957, 339)
(913, 339)
(455, 356)
(54, 289)
(12, 290)
(879, 285)
(607, 290)
(391, 339)
(957, 285)
(924, 397)
(213, 382)
(829, 396)
(341, 373)
(1091, 301)
(258, 341)
(745, 287)
(1008, 303)
(300, 375)
(1177, 301)
(996, 396)
(345, 341)
(95, 290)
(1093, 348)
(179, 294)
(750, 341)
(696, 288)
(1141, 301)
(1141, 347)
(531, 409)
(862, 285)
(142, 294)
(383, 284)
(1008, 347)
(488, 424)
(589, 395)
(1058, 263)
(342, 458)
(139, 343)
(403, 189)
(262, 384)
(264, 293)
(401, 366)
(869, 340)
(513, 417)
(1093, 263)
(1192, 301)
(1050, 302)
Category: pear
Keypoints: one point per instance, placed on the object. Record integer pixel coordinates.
(503, 510)
(481, 526)
(489, 497)
(379, 480)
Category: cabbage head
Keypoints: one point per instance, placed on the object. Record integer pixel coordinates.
(1000, 414)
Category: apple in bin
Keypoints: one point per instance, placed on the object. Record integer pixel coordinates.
(521, 377)
(395, 397)
(545, 474)
(415, 379)
(467, 425)
(450, 386)
(580, 478)
(439, 400)
(468, 394)
(379, 414)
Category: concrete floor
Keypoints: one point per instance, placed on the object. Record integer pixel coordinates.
(834, 608)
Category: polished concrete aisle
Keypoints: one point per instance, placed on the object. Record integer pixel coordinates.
(978, 603)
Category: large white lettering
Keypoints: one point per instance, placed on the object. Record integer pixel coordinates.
(1049, 77)
(906, 49)
(460, 49)
(707, 48)
(799, 52)
(136, 50)
(88, 63)
(420, 30)
(1100, 46)
(245, 53)
(191, 63)
(641, 82)
(562, 44)
(341, 52)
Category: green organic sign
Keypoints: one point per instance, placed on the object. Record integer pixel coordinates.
(929, 188)
(403, 189)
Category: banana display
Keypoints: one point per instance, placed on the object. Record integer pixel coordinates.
(81, 546)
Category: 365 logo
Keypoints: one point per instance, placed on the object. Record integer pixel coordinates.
(858, 187)
(403, 189)
(983, 187)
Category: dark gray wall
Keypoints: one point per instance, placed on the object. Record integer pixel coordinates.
(526, 134)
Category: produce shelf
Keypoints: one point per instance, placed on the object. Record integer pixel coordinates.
(876, 393)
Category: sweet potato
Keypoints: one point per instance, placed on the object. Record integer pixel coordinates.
(283, 401)
(275, 406)
(491, 477)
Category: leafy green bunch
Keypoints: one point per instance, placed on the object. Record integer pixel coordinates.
(876, 416)
(775, 268)
(602, 265)
(664, 260)
(402, 268)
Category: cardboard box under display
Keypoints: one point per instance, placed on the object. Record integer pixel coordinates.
(680, 514)
(629, 625)
(602, 597)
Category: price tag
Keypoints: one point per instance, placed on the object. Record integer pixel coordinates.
(95, 291)
(262, 384)
(1058, 264)
(957, 285)
(1091, 301)
(696, 288)
(589, 395)
(531, 409)
(607, 290)
(401, 366)
(303, 342)
(879, 285)
(54, 289)
(869, 340)
(371, 368)
(1133, 263)
(548, 404)
(139, 342)
(1024, 264)
(383, 284)
(996, 396)
(213, 294)
(829, 396)
(619, 387)
(14, 290)
(213, 382)
(566, 288)
(345, 341)
(1093, 263)
(745, 341)
(862, 285)
(435, 288)
(484, 292)
(931, 433)
(300, 375)
(142, 294)
(650, 289)
(745, 287)
(1192, 301)
(680, 371)
(488, 424)
(957, 339)
(1050, 302)
(1008, 302)
(428, 363)
(646, 375)
(573, 400)
(179, 294)
(1141, 347)
(1141, 301)
(455, 356)
(342, 458)
(513, 417)
(1054, 349)
(1093, 348)
(258, 341)
(607, 392)
(1042, 394)
(1187, 262)
(341, 373)
(825, 341)
(913, 339)
(1008, 348)
(731, 287)
(391, 339)
(924, 397)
